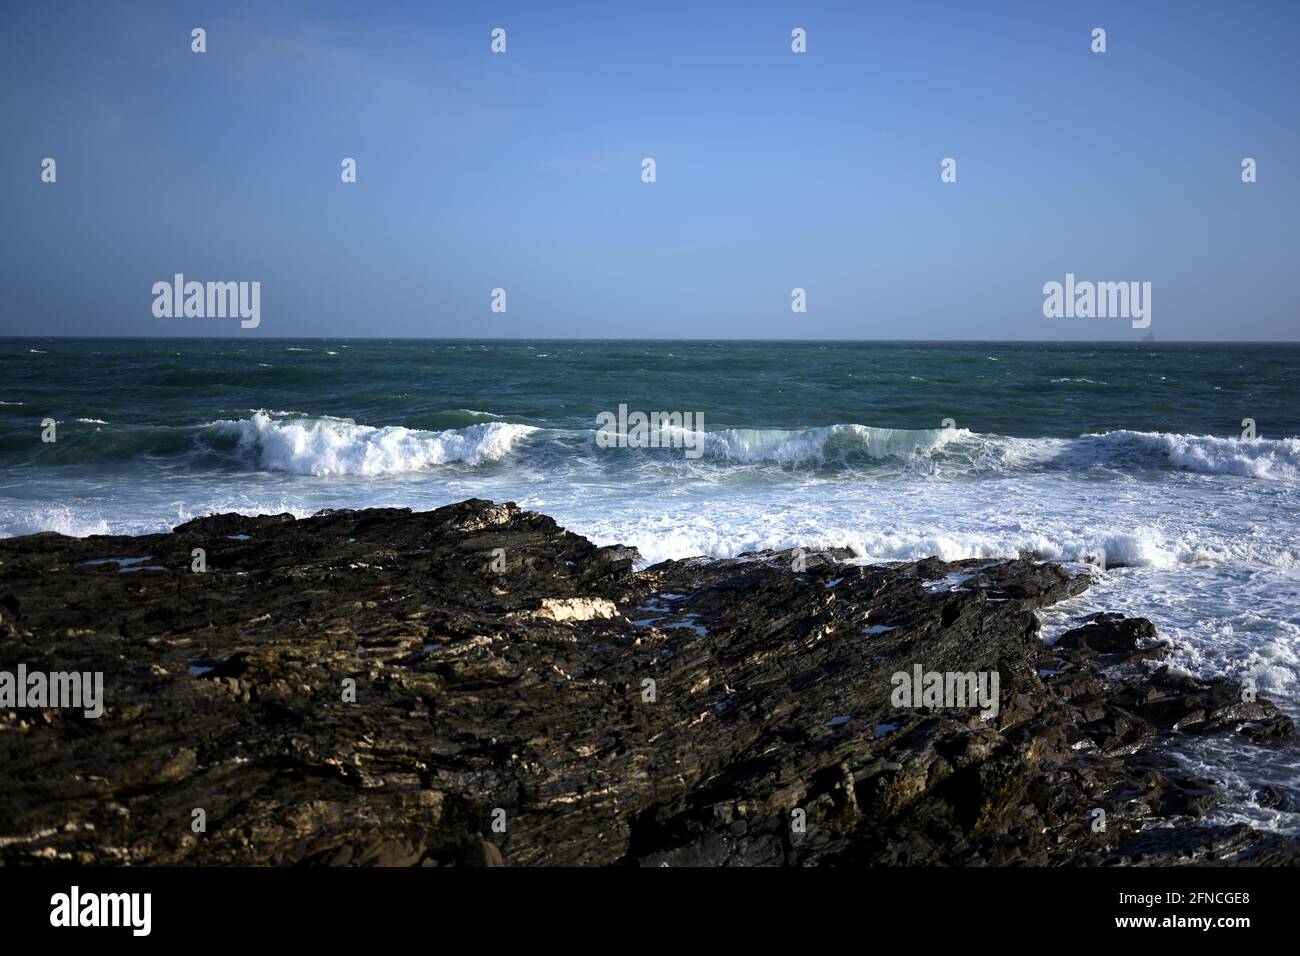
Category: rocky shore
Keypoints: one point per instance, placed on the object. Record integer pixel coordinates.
(477, 686)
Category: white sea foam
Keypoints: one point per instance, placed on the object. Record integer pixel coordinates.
(959, 451)
(1273, 458)
(330, 446)
(62, 519)
(1265, 458)
(897, 536)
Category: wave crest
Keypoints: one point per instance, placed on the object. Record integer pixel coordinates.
(813, 445)
(1272, 458)
(334, 446)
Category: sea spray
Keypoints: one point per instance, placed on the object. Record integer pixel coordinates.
(323, 446)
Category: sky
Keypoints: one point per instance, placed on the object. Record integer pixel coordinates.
(775, 170)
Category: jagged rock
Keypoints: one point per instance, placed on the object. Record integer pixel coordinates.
(1184, 704)
(475, 686)
(1116, 637)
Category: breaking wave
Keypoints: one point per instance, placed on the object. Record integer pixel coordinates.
(334, 446)
(834, 442)
(1273, 458)
(299, 443)
(1266, 458)
(967, 451)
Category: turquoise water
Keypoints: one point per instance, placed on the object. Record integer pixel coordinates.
(1024, 390)
(1130, 456)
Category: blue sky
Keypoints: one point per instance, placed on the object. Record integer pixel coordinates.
(775, 170)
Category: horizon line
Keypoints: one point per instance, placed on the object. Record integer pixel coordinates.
(543, 338)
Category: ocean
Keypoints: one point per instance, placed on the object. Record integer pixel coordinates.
(1131, 456)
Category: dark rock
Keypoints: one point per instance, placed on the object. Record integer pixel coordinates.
(1114, 639)
(1184, 704)
(1271, 797)
(366, 688)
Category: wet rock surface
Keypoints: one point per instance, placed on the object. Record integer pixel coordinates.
(384, 687)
